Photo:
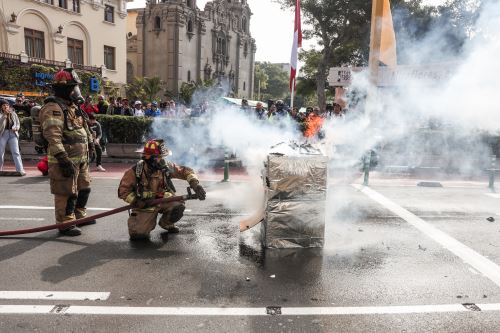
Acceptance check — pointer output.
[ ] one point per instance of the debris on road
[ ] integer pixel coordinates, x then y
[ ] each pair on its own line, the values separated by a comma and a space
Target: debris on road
420, 247
430, 184
490, 219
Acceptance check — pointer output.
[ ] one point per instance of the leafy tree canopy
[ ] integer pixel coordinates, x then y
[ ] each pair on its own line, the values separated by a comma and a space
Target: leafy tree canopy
275, 78
342, 31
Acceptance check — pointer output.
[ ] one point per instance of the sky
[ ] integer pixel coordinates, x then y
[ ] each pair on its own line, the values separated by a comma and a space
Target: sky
271, 27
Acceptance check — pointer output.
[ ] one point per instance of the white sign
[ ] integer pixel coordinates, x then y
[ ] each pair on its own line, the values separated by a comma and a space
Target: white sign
388, 77
342, 76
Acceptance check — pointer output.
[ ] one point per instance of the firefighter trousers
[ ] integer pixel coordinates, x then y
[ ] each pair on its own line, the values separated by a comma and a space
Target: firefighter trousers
142, 221
70, 193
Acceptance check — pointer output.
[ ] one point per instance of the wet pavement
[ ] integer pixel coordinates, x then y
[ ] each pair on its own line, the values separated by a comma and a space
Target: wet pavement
375, 270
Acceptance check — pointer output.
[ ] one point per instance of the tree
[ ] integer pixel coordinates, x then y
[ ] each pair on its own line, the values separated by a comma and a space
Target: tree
195, 92
261, 79
342, 28
135, 90
144, 88
152, 86
277, 82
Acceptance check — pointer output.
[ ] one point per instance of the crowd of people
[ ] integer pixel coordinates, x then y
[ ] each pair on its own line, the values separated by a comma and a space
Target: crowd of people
122, 107
308, 121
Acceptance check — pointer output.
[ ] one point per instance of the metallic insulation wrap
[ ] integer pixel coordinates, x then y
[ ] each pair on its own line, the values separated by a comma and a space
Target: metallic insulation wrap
296, 187
290, 224
297, 177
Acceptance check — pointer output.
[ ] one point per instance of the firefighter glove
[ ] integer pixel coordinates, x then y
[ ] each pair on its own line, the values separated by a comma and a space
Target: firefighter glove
65, 164
198, 189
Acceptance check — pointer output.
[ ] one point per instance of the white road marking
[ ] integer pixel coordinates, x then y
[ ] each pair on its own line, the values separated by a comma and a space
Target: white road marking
477, 261
55, 295
107, 209
493, 195
21, 219
201, 311
47, 208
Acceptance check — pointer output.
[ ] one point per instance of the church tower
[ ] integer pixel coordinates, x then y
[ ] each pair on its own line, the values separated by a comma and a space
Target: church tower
179, 43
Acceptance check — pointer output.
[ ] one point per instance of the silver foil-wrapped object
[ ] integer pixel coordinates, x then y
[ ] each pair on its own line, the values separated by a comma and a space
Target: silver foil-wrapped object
296, 186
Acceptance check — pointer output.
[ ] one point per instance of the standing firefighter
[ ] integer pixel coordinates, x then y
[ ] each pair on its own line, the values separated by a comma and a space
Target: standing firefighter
151, 178
68, 141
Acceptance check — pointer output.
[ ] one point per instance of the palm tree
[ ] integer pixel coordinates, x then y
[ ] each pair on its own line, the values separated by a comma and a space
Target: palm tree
152, 86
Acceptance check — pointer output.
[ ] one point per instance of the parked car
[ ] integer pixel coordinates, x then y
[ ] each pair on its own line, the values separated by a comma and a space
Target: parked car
10, 98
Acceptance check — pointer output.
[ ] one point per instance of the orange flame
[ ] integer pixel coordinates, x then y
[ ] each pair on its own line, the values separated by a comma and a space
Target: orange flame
313, 125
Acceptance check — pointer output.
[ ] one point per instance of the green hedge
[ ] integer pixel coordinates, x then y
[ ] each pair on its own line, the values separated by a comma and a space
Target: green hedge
124, 129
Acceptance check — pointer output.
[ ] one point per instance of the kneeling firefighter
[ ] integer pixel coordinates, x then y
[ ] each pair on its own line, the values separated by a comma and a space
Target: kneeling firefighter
151, 178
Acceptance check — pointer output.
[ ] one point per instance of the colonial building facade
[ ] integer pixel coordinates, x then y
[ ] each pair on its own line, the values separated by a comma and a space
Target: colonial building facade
80, 33
178, 42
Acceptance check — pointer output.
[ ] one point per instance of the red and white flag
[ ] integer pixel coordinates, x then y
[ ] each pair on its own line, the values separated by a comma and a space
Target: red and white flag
297, 42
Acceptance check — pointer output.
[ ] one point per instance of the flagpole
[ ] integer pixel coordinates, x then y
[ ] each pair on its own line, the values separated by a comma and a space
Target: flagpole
297, 43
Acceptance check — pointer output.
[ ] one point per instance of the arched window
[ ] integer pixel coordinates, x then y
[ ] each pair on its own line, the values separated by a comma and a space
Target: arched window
190, 25
245, 49
244, 24
189, 76
157, 23
236, 22
189, 3
244, 86
221, 46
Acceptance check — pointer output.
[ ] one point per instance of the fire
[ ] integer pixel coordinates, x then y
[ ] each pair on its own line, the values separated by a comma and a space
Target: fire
313, 125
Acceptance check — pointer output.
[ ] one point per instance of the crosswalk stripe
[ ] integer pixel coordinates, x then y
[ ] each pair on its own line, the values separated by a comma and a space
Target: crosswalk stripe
235, 311
55, 295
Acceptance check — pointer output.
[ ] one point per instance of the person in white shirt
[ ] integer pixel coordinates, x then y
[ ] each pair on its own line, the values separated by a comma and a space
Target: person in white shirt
138, 111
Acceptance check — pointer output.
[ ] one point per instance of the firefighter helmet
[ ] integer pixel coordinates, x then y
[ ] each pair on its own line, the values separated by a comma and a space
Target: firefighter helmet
154, 148
66, 77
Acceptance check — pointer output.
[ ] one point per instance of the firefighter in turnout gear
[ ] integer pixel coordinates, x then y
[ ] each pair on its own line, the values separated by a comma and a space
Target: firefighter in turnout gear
68, 140
151, 178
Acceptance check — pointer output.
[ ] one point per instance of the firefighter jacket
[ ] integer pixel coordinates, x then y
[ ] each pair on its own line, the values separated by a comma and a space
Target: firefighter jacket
140, 182
65, 129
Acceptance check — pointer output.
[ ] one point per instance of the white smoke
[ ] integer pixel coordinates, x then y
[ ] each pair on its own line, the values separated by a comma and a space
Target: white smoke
449, 123
405, 124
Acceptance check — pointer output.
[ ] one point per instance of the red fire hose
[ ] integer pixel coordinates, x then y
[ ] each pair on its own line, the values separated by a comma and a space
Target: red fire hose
64, 225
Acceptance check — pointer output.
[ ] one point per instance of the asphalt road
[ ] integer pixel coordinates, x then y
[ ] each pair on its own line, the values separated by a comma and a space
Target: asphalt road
397, 258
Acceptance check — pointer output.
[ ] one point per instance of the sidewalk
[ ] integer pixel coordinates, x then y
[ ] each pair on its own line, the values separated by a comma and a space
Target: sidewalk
116, 170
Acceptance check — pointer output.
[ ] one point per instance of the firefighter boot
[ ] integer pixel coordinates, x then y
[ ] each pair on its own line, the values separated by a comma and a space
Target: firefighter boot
81, 203
70, 216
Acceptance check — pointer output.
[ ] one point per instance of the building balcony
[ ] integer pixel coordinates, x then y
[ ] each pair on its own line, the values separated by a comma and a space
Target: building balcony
23, 58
